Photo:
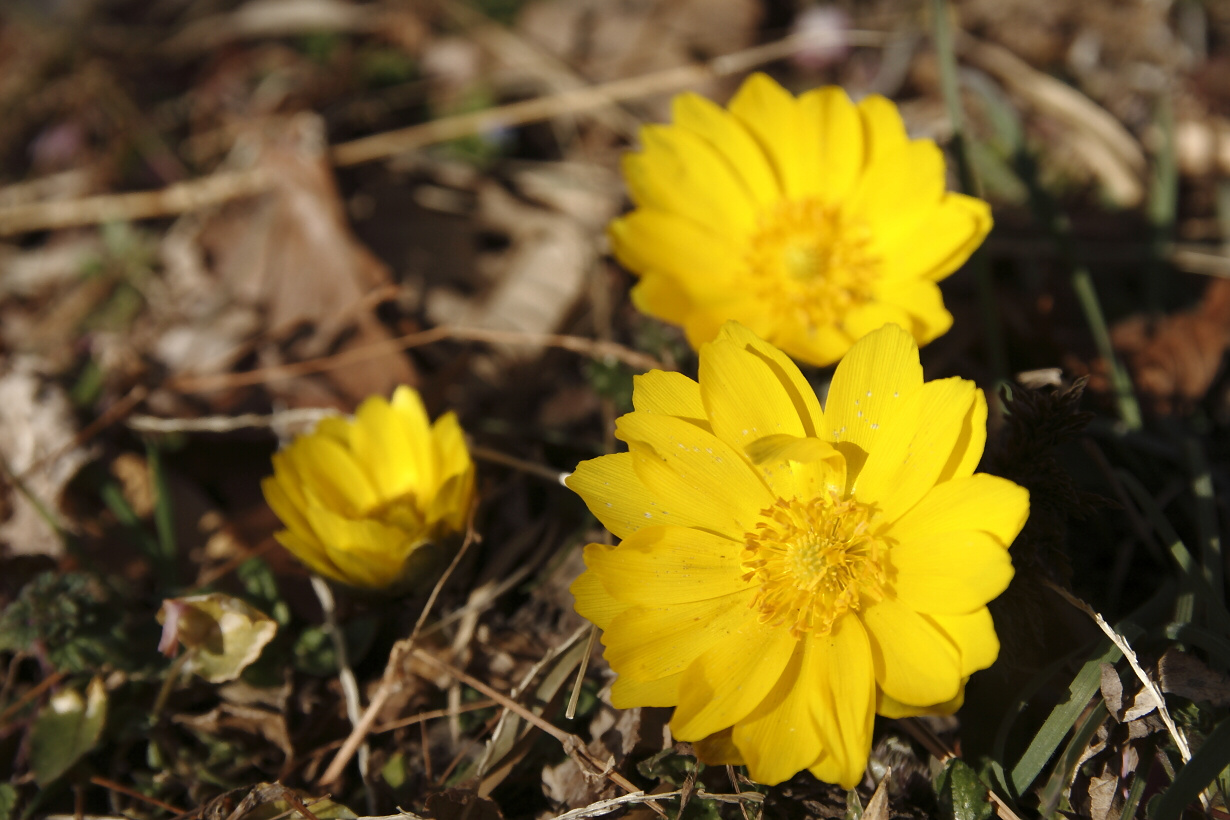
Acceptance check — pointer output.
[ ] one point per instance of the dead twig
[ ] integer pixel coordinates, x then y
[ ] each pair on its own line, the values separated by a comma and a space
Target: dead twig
597, 350
173, 200
578, 100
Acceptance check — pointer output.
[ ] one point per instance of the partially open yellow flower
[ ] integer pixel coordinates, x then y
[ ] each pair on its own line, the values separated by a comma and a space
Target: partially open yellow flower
813, 221
361, 497
787, 572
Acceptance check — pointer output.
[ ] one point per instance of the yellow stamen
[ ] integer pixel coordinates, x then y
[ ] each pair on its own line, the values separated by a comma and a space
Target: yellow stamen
815, 561
812, 260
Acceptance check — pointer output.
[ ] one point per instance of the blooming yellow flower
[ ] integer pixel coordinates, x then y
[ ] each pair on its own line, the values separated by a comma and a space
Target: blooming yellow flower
812, 221
786, 572
360, 497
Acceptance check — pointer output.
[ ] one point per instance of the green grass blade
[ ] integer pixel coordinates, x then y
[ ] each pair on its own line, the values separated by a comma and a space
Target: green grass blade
1062, 718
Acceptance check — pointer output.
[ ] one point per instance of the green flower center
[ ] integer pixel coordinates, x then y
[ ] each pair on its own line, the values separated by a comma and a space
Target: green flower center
812, 260
815, 560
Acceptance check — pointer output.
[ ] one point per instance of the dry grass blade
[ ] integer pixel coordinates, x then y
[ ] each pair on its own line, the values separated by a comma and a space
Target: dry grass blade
1121, 642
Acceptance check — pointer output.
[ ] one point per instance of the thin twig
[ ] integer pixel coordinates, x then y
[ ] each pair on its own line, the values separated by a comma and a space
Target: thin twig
345, 676
111, 785
579, 100
228, 424
30, 694
173, 200
1121, 642
577, 344
496, 457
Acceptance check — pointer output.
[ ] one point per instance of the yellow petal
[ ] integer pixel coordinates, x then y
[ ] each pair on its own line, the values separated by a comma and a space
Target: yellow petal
915, 662
816, 345
718, 750
771, 114
593, 602
367, 552
413, 421
730, 677
974, 636
874, 378
283, 507
801, 468
915, 445
840, 140
310, 552
846, 719
332, 473
698, 261
662, 297
380, 441
922, 303
744, 398
680, 173
692, 474
650, 643
823, 704
967, 452
871, 316
787, 372
978, 502
951, 573
883, 127
671, 394
899, 192
618, 498
780, 737
627, 693
940, 243
895, 709
663, 566
731, 139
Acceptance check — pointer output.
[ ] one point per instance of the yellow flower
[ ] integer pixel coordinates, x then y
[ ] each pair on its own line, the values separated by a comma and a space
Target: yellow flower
786, 572
812, 221
360, 497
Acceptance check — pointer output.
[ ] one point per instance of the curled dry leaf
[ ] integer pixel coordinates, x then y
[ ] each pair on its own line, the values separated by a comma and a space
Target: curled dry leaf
224, 634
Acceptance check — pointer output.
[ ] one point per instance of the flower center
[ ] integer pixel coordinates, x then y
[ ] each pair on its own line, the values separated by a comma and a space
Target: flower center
811, 260
815, 561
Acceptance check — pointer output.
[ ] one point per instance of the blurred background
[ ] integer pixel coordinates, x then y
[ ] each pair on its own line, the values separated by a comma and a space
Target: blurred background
216, 215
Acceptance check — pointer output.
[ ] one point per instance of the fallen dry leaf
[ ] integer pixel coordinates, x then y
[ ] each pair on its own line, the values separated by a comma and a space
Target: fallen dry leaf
37, 432
1174, 359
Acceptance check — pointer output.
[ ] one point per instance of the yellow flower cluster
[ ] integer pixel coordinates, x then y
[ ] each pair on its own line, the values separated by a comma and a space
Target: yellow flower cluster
360, 498
812, 221
786, 572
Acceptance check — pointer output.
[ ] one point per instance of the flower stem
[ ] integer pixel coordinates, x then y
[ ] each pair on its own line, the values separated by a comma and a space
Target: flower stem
345, 675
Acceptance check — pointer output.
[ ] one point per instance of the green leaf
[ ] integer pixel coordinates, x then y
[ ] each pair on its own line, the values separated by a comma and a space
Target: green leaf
1206, 764
962, 794
66, 729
